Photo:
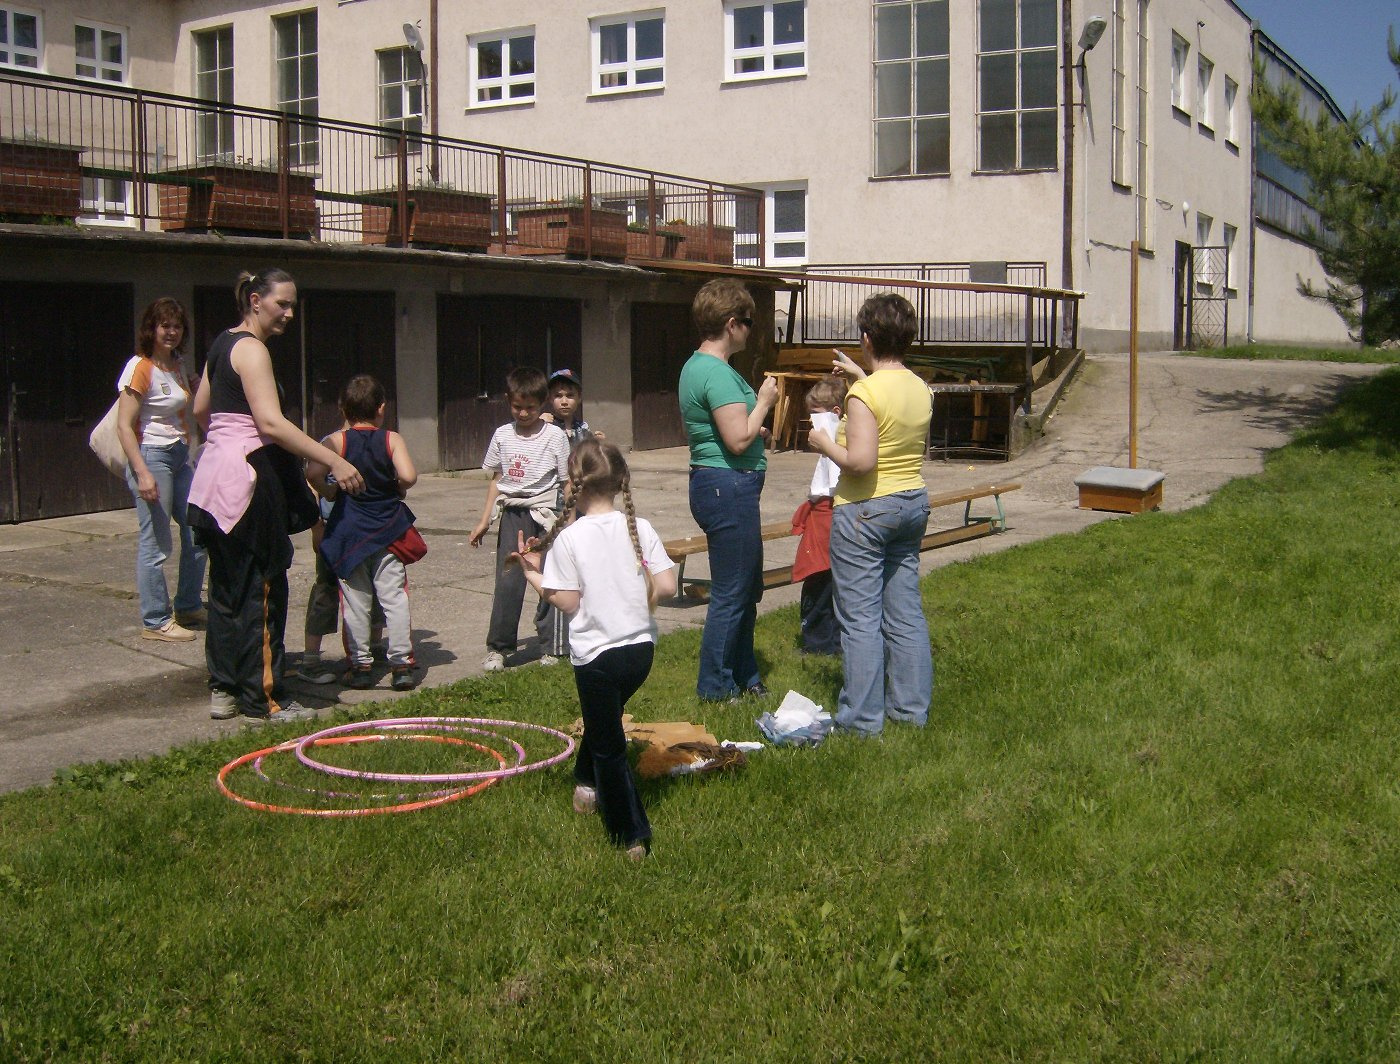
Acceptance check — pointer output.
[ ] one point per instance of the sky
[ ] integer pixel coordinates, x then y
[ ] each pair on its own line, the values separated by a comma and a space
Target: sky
1339, 42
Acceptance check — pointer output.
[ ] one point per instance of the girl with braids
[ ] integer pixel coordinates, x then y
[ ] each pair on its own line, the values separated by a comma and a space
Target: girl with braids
606, 570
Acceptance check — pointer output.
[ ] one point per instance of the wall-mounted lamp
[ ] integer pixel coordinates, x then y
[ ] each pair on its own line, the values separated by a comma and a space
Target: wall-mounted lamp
1091, 33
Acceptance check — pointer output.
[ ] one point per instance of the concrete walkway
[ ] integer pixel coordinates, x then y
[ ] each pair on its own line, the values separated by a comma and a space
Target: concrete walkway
85, 686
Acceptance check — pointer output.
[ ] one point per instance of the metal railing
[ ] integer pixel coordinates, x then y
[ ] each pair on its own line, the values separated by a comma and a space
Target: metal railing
952, 308
178, 163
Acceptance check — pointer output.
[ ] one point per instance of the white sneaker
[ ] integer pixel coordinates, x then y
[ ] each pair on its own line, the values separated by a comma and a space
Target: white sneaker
222, 705
548, 659
585, 799
493, 662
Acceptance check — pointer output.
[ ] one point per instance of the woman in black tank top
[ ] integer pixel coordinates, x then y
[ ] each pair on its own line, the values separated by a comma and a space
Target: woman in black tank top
246, 529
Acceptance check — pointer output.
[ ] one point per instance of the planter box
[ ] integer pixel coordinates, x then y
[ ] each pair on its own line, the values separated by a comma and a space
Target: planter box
236, 199
665, 244
706, 244
561, 228
39, 180
436, 218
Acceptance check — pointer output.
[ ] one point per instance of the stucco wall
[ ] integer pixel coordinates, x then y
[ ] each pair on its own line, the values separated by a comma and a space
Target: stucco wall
1279, 265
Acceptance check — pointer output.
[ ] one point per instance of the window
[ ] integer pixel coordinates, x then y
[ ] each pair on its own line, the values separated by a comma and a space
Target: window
501, 68
400, 96
1181, 51
297, 83
1143, 185
20, 39
1229, 232
1205, 72
1017, 94
1204, 279
911, 88
1118, 169
105, 200
785, 243
764, 40
629, 52
1232, 90
213, 80
99, 52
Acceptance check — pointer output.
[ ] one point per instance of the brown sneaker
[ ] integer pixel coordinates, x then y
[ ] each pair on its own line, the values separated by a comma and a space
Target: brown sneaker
169, 632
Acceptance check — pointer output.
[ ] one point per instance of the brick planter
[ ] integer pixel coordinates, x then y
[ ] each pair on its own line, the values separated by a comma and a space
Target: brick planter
666, 244
236, 199
706, 244
436, 218
561, 228
39, 180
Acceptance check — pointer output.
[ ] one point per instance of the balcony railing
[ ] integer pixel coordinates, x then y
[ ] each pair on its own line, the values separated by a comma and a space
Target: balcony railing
172, 162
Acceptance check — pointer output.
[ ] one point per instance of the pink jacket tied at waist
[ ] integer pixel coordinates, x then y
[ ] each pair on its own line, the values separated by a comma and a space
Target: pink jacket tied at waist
223, 480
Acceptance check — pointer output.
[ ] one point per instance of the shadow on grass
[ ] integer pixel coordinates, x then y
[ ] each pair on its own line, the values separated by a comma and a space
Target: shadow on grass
1265, 408
1367, 418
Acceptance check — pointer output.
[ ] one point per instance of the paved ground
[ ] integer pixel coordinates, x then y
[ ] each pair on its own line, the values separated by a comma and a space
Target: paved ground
85, 686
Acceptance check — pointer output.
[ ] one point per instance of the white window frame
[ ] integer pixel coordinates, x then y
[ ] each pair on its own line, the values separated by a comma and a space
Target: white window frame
1232, 95
1205, 75
631, 67
106, 201
11, 51
401, 122
1204, 224
1228, 234
1181, 57
99, 65
305, 144
768, 52
505, 83
772, 238
1119, 120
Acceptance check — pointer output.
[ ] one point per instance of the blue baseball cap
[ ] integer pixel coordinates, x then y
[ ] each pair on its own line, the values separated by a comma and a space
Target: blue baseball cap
567, 375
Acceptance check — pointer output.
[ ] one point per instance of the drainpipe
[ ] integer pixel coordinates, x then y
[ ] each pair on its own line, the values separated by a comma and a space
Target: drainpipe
433, 82
1253, 185
1067, 91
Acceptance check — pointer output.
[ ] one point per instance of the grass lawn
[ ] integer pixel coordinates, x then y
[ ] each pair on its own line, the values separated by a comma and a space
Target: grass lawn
1350, 353
1153, 817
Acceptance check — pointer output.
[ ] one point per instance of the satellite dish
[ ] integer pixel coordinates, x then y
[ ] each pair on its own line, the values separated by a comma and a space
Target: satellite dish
412, 36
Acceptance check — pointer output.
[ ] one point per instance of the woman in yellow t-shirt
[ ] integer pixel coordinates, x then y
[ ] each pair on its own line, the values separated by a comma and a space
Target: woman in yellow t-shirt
880, 514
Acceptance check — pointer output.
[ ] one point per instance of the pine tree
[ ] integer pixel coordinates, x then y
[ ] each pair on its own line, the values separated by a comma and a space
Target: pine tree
1353, 172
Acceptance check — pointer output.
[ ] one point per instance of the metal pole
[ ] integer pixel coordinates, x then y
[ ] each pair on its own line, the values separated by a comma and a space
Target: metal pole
1133, 357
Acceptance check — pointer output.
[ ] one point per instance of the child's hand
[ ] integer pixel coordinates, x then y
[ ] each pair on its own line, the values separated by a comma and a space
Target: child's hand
479, 532
600, 436
527, 554
547, 416
818, 440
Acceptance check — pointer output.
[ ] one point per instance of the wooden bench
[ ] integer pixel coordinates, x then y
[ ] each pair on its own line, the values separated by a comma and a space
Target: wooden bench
972, 527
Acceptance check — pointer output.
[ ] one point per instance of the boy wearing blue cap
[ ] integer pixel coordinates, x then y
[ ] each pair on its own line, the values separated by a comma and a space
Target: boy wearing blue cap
565, 395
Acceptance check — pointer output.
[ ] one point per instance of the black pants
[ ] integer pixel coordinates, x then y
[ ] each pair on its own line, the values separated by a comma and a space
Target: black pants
820, 632
604, 686
243, 645
509, 595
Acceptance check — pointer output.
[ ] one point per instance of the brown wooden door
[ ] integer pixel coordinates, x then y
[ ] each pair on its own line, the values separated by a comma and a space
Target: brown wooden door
662, 339
480, 340
347, 333
64, 346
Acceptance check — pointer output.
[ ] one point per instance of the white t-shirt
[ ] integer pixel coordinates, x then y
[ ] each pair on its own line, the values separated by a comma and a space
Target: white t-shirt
827, 473
528, 465
165, 399
594, 556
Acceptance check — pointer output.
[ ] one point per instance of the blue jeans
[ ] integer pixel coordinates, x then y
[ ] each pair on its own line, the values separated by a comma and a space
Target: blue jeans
724, 503
887, 660
173, 473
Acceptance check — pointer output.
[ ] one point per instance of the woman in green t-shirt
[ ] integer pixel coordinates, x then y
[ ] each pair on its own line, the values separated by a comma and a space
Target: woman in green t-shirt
724, 423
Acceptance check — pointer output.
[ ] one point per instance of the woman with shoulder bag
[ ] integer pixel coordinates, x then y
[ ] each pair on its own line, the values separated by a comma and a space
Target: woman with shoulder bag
156, 432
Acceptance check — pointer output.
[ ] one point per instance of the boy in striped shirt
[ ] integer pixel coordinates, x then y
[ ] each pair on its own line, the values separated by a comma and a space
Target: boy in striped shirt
528, 460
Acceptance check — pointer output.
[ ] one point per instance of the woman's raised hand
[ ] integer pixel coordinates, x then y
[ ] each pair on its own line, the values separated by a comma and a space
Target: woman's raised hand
846, 366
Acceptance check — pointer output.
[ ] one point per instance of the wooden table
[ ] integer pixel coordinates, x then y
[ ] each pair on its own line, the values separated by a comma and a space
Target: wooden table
792, 386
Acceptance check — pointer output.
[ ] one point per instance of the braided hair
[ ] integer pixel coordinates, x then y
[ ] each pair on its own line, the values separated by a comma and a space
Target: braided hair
597, 469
